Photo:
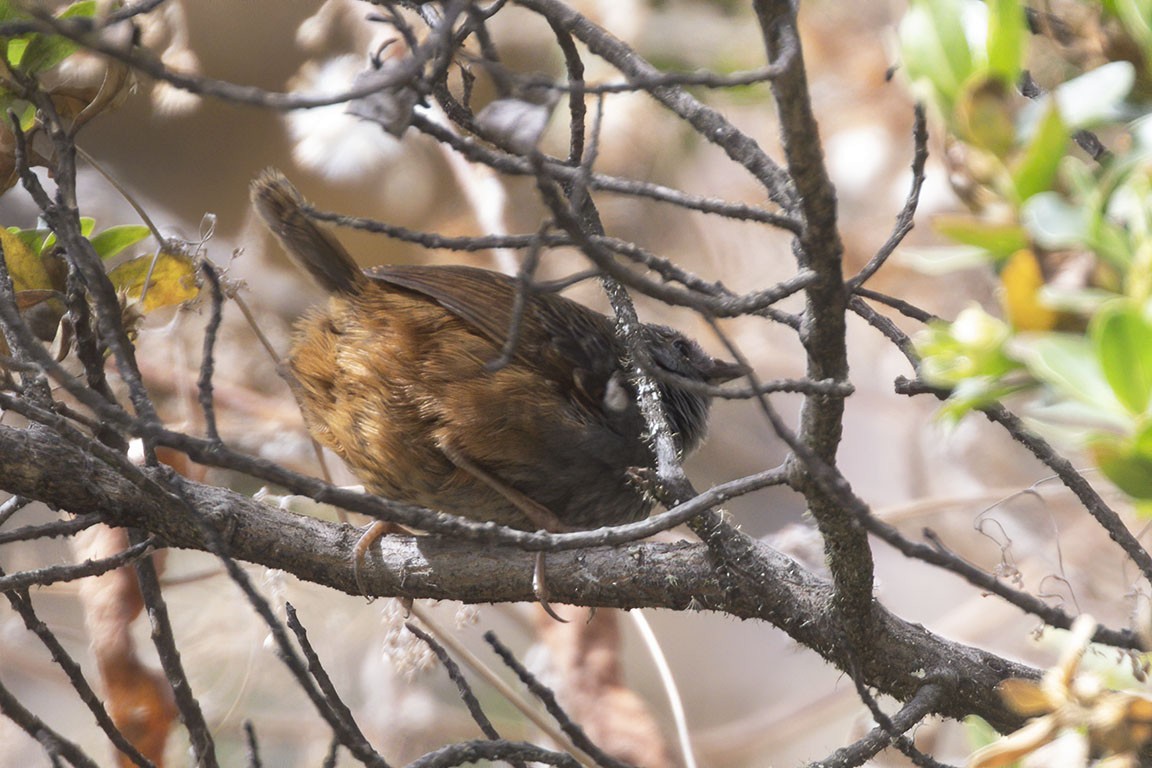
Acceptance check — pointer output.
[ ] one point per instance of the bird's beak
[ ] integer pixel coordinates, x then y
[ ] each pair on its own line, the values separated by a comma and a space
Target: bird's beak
719, 371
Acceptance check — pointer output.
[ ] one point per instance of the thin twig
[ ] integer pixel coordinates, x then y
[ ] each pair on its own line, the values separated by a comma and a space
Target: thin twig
906, 219
51, 530
339, 709
251, 745
485, 672
462, 687
58, 573
470, 752
207, 366
164, 641
54, 744
887, 731
548, 699
22, 604
11, 507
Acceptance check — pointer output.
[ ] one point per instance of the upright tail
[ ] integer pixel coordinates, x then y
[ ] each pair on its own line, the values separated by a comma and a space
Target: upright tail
311, 247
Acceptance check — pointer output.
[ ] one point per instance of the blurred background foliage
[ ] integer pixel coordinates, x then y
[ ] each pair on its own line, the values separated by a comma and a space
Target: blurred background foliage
1062, 215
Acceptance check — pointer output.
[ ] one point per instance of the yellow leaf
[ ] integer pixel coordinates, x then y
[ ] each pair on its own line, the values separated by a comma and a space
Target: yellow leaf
1022, 281
173, 280
24, 264
1008, 750
1024, 697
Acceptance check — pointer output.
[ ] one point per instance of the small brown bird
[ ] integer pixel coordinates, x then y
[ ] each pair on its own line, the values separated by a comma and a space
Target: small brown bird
394, 375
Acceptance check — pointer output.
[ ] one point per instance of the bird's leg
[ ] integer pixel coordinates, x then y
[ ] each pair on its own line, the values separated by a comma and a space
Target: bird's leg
374, 531
537, 514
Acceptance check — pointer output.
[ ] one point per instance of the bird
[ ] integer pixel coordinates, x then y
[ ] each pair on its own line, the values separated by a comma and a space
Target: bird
403, 374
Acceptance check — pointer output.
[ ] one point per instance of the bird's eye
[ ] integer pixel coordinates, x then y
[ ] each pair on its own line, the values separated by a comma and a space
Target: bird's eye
683, 346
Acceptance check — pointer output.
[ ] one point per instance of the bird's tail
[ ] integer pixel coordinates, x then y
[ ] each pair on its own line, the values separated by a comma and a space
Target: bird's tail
312, 247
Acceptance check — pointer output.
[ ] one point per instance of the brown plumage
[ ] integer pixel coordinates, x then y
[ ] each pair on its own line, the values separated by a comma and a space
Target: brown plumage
392, 376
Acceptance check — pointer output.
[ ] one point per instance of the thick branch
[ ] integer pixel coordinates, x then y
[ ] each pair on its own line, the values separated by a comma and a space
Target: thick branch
823, 326
677, 576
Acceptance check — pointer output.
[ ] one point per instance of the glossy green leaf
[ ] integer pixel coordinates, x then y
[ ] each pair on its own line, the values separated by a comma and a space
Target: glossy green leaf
999, 239
1075, 300
1134, 15
27, 117
1068, 363
1127, 462
1007, 39
1122, 336
14, 50
115, 239
87, 224
1036, 170
1053, 222
973, 394
934, 48
942, 259
32, 238
971, 347
9, 12
83, 8
44, 52
1107, 240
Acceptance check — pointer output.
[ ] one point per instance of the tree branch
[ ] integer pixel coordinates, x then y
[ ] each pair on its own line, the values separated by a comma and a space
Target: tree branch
677, 576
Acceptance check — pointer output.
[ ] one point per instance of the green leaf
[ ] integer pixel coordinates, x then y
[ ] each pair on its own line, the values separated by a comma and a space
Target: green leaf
1054, 223
44, 52
971, 347
9, 12
83, 8
115, 239
27, 117
1108, 241
1084, 301
87, 224
1127, 462
979, 732
1134, 16
14, 52
1035, 171
1067, 363
934, 48
971, 394
1122, 337
1007, 39
32, 238
943, 259
1002, 240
